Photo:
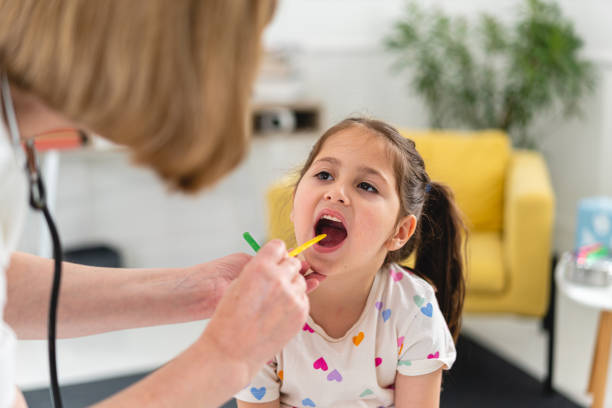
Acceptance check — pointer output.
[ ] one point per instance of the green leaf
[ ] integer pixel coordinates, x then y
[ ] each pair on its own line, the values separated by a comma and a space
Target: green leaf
483, 73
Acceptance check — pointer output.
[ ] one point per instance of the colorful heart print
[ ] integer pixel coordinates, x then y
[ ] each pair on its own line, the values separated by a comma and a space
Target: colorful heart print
366, 392
320, 363
427, 310
307, 328
386, 314
378, 305
435, 355
400, 341
334, 376
358, 338
281, 374
419, 300
377, 361
404, 363
307, 402
396, 275
258, 392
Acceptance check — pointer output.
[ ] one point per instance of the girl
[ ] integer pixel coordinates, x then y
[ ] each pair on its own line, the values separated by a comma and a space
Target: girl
378, 334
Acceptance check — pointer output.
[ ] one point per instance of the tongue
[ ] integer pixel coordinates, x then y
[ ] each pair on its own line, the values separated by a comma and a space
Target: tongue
334, 236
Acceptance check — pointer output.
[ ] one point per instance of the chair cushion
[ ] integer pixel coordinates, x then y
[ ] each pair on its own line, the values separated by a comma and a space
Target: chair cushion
474, 165
485, 263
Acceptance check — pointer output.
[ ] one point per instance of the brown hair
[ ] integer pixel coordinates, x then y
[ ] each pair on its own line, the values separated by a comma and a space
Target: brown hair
440, 229
169, 79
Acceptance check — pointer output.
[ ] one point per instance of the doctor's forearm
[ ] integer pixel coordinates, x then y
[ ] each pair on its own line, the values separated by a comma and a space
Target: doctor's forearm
203, 376
95, 300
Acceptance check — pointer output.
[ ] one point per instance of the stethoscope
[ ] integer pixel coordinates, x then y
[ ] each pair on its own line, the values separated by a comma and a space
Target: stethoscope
28, 158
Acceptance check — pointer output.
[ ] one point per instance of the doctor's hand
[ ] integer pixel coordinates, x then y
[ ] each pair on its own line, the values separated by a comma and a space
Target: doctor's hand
261, 310
210, 280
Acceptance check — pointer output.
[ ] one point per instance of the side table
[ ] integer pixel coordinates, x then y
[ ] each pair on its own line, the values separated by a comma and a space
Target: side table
599, 297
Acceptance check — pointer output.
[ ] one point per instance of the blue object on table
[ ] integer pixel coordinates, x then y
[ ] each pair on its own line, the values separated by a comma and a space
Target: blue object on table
594, 223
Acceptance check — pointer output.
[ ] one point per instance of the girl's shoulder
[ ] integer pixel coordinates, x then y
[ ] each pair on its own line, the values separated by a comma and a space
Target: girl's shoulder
405, 285
408, 278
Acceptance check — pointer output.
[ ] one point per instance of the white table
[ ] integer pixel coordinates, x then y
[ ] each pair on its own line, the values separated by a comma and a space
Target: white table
601, 299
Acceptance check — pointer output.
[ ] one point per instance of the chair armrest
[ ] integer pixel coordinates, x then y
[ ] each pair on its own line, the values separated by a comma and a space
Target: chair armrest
528, 225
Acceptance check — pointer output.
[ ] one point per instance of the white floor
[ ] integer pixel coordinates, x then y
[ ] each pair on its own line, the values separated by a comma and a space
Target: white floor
103, 201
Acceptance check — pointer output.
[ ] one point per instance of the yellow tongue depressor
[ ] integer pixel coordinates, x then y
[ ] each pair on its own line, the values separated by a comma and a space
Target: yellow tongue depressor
307, 245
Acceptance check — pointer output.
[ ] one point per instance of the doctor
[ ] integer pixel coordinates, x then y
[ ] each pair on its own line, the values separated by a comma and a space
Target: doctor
170, 80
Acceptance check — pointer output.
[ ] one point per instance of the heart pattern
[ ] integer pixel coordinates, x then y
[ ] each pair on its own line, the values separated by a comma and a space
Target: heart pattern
334, 376
365, 393
400, 341
378, 305
281, 374
386, 314
418, 300
307, 328
358, 338
404, 363
427, 310
435, 355
396, 275
307, 402
377, 361
320, 363
258, 392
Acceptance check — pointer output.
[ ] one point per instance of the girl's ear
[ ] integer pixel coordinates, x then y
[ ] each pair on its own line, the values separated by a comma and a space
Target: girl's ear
404, 230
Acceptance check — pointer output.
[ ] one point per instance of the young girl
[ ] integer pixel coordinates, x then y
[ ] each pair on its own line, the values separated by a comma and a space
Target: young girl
378, 334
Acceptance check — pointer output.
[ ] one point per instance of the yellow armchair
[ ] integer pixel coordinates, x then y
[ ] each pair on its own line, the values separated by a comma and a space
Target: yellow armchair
508, 203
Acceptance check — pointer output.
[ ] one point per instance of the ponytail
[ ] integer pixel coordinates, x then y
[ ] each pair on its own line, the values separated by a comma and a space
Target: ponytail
439, 257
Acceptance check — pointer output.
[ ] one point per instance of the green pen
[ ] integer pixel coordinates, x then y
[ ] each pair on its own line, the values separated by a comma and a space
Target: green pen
251, 241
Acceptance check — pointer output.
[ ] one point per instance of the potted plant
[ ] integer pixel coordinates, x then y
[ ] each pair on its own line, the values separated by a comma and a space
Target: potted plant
487, 74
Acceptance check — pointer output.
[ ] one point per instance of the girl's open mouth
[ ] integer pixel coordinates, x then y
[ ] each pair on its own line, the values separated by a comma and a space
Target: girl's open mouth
335, 230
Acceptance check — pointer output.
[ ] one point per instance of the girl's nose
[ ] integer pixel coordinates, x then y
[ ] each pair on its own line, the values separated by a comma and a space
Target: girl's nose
337, 195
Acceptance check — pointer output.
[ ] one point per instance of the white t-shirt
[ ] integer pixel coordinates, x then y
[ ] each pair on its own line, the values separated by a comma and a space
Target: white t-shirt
401, 330
13, 205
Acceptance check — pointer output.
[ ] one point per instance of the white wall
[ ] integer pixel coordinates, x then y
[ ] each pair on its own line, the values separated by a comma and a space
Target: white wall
340, 57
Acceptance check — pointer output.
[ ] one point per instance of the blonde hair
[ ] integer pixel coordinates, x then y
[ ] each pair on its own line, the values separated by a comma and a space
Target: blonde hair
169, 79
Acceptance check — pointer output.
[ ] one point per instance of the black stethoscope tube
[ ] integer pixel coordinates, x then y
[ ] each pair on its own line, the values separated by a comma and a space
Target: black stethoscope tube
38, 202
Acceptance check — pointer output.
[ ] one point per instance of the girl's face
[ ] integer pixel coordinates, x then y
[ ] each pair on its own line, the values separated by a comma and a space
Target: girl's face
350, 193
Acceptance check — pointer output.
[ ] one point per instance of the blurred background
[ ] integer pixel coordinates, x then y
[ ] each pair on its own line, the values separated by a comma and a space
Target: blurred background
328, 59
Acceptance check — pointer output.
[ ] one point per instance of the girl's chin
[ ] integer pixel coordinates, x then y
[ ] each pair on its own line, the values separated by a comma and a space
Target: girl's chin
321, 265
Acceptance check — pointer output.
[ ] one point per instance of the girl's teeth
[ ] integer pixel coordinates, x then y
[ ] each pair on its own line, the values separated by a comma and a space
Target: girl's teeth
329, 217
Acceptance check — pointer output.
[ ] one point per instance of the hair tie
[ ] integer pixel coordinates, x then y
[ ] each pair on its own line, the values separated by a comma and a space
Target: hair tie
428, 187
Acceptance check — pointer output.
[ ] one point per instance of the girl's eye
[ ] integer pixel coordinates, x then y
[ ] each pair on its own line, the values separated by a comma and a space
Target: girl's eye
323, 175
367, 187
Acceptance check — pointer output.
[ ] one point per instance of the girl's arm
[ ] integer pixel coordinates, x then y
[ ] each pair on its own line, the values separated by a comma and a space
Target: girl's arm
96, 300
421, 391
271, 404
